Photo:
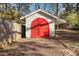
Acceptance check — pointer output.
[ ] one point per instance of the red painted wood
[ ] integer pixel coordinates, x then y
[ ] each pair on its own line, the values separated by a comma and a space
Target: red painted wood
35, 27
39, 28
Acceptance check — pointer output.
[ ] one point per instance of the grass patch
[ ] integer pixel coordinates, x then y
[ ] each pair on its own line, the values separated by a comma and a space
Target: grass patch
32, 42
42, 46
72, 31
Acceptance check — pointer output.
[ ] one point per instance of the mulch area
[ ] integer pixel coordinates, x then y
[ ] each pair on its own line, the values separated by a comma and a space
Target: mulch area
61, 45
70, 39
42, 47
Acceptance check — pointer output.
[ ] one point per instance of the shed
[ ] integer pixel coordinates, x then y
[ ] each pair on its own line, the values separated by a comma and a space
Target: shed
40, 24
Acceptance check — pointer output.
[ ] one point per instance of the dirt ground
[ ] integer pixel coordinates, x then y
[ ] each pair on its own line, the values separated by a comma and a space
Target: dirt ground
38, 47
64, 44
70, 39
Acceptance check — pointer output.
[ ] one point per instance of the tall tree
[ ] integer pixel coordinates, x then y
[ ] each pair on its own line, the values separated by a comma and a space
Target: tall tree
57, 9
71, 15
8, 15
37, 6
77, 8
22, 8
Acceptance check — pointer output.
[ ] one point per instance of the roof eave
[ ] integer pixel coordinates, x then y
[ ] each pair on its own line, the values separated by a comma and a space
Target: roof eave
39, 10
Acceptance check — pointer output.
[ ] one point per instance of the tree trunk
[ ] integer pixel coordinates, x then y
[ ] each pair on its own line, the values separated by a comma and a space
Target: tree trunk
57, 7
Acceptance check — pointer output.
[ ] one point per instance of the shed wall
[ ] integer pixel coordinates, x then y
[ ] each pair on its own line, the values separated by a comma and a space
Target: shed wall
37, 15
17, 31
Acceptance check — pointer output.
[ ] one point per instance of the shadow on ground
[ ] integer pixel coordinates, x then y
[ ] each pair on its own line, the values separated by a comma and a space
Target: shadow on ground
22, 49
32, 48
67, 36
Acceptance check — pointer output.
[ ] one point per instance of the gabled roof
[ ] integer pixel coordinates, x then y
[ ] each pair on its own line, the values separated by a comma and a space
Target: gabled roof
39, 10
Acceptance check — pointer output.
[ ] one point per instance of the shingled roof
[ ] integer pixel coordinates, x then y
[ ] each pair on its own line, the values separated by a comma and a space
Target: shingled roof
39, 10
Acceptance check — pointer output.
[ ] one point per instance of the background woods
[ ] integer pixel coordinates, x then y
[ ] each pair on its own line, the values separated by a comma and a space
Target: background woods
10, 13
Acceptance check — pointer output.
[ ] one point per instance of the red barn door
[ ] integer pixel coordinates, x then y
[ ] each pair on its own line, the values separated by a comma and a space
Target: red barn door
39, 28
